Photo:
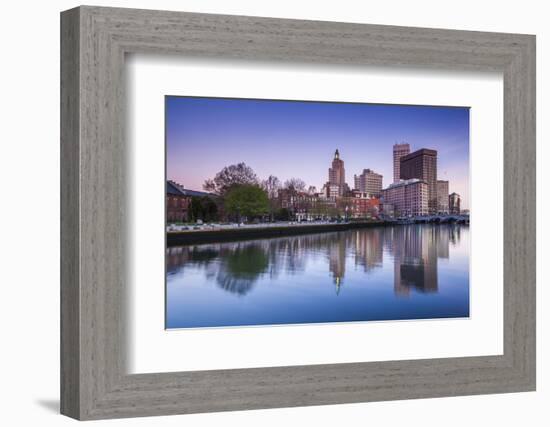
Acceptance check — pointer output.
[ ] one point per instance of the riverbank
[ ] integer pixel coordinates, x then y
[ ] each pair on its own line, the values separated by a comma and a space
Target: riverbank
176, 238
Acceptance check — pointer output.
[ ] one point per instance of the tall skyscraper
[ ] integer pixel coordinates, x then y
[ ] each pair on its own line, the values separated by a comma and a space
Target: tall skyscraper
336, 176
399, 150
368, 182
422, 164
442, 197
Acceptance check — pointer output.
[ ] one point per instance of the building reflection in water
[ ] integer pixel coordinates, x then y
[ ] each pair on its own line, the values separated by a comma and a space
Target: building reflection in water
237, 266
415, 259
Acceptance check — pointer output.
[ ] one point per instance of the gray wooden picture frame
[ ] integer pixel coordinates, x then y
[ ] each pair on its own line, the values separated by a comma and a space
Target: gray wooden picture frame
94, 381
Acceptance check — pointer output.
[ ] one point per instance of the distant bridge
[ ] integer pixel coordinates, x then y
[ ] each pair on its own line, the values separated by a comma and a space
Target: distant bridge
439, 219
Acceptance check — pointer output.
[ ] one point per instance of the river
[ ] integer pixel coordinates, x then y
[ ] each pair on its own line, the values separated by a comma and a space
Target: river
400, 272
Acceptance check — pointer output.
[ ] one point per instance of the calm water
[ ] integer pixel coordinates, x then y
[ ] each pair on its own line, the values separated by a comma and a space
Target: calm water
386, 273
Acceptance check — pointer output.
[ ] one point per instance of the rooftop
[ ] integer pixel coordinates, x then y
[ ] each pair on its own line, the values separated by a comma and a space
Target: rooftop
421, 152
405, 182
178, 189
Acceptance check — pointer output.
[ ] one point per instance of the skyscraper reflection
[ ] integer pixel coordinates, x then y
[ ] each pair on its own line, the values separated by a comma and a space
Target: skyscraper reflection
415, 259
414, 249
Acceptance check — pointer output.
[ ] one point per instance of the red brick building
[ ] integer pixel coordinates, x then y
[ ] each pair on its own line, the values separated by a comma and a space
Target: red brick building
359, 205
177, 203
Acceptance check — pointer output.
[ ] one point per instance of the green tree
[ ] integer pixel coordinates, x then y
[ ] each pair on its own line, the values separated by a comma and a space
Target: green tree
203, 208
209, 209
282, 215
195, 209
246, 200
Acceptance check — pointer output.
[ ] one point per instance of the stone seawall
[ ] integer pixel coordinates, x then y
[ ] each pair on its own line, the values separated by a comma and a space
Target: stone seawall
178, 238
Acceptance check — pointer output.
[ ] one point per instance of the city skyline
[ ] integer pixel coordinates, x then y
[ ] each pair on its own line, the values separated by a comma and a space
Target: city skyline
297, 139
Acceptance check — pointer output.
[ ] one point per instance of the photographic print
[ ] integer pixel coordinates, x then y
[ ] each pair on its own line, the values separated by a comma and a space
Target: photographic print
284, 212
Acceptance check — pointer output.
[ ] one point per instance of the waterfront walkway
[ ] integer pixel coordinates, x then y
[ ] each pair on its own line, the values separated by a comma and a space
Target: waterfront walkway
228, 232
236, 226
187, 228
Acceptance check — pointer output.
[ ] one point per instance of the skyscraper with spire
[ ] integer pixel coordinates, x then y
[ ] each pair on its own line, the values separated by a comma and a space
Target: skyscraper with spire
336, 184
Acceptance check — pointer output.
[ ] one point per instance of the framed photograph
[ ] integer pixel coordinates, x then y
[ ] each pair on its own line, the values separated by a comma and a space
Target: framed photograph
275, 240
262, 213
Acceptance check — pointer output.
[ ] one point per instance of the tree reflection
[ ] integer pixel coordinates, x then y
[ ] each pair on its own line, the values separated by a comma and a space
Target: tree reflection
237, 266
241, 267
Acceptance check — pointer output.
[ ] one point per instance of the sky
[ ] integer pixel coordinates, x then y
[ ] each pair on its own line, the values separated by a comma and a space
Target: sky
298, 139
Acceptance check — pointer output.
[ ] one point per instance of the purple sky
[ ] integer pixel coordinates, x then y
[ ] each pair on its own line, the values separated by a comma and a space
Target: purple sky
297, 139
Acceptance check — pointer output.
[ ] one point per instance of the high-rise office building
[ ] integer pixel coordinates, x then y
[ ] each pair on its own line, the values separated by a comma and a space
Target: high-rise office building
399, 150
368, 182
442, 197
336, 176
422, 164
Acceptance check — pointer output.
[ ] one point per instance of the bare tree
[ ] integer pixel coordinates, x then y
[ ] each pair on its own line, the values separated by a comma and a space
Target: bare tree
230, 176
272, 185
312, 189
295, 184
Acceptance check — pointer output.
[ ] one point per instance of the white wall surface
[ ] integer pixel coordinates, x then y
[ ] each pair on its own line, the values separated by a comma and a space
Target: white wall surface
29, 213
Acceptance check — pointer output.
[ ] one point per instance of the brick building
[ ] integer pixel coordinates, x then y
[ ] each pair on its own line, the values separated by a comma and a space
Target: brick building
368, 182
360, 207
177, 203
408, 198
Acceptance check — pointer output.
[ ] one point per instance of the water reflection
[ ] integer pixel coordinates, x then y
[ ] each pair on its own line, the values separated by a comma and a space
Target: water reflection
402, 272
237, 266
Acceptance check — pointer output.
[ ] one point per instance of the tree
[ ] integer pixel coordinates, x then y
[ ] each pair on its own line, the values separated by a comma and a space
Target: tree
248, 200
203, 208
295, 184
242, 267
229, 176
272, 185
209, 209
194, 209
282, 214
